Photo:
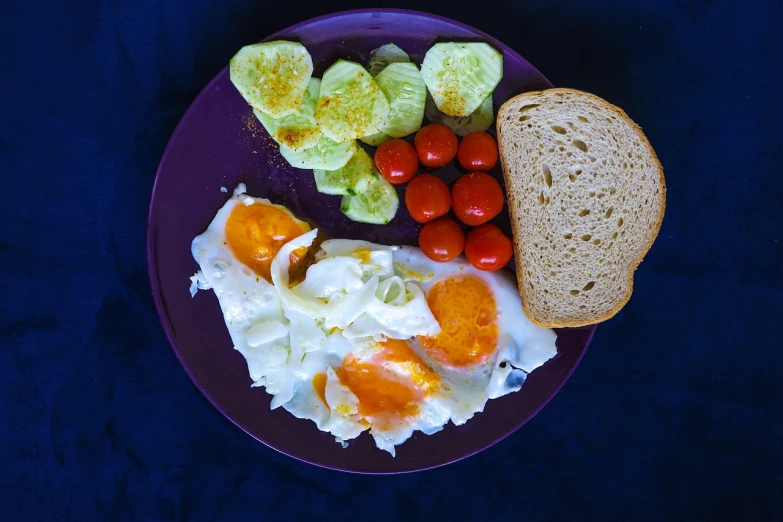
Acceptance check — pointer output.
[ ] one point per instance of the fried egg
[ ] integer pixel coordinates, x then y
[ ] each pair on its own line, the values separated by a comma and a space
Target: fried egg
482, 348
487, 346
358, 336
234, 255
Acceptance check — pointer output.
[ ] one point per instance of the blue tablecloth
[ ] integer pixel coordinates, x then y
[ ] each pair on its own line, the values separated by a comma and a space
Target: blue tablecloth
676, 412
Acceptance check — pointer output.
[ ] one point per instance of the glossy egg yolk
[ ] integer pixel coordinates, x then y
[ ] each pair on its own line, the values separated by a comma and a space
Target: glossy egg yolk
465, 309
390, 384
319, 384
256, 232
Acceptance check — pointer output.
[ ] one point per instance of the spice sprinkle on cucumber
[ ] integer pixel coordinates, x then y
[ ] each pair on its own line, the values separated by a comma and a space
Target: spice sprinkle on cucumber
317, 122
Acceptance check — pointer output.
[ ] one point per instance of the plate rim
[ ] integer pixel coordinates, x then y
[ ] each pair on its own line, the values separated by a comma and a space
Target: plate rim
152, 272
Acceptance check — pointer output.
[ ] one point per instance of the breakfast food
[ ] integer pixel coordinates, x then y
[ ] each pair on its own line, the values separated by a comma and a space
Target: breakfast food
297, 131
477, 198
479, 120
272, 76
367, 196
346, 180
436, 145
376, 202
461, 75
384, 56
403, 86
351, 103
375, 140
358, 336
477, 151
317, 122
326, 155
586, 195
427, 197
397, 161
488, 248
442, 240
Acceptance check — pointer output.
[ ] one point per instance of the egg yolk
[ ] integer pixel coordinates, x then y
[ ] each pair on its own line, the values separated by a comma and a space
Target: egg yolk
256, 233
363, 254
390, 384
397, 355
465, 309
319, 384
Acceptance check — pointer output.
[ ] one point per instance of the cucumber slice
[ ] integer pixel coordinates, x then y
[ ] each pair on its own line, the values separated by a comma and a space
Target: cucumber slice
355, 176
326, 155
480, 120
329, 182
461, 75
385, 55
377, 203
351, 104
403, 86
297, 131
272, 76
374, 140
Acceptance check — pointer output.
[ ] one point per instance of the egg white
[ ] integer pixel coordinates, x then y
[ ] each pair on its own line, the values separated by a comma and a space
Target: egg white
356, 295
249, 303
522, 346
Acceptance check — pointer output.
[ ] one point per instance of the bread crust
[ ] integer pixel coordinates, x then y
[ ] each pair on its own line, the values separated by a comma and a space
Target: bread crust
518, 246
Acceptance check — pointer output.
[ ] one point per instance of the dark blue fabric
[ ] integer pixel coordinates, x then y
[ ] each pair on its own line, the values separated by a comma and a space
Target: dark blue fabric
676, 412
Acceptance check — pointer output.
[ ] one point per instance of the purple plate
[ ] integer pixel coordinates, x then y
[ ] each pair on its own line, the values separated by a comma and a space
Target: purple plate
218, 144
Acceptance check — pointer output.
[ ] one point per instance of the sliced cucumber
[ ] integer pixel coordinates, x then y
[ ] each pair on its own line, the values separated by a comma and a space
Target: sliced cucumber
357, 174
377, 202
326, 155
480, 120
272, 76
329, 182
374, 140
351, 104
385, 55
403, 86
461, 75
299, 130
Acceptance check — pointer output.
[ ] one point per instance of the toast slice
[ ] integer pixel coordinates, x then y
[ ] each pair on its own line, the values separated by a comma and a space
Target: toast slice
586, 195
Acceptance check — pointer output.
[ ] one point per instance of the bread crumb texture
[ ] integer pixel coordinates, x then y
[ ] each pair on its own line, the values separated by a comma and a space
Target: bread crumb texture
586, 195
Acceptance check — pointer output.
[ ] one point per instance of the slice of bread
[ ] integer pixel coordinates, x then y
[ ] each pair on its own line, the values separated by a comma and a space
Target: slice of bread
586, 195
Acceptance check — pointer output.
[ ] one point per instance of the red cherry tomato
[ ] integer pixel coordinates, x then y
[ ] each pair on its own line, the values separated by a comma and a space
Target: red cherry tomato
441, 240
427, 198
477, 151
477, 198
488, 248
436, 145
397, 160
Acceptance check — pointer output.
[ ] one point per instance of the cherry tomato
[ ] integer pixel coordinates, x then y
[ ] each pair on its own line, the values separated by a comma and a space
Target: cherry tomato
477, 198
427, 198
397, 160
488, 248
478, 151
441, 240
436, 145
